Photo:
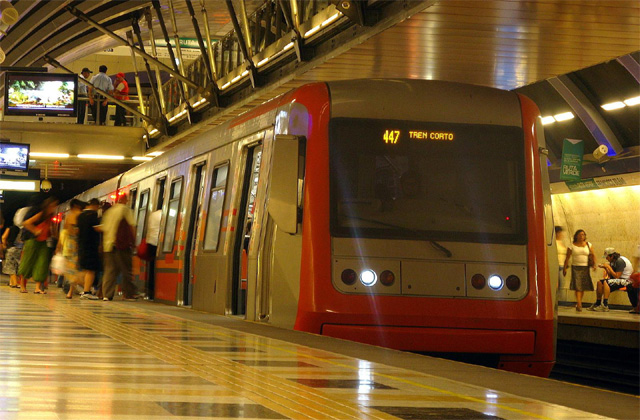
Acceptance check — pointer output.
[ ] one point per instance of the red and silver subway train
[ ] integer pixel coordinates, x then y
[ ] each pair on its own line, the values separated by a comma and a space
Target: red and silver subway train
402, 213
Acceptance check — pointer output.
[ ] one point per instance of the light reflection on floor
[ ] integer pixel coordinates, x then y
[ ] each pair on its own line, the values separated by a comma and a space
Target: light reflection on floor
86, 360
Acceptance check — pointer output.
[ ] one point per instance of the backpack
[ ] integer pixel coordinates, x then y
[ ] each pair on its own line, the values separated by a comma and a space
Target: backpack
124, 235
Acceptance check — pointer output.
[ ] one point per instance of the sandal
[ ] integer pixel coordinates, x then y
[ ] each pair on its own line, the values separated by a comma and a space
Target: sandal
40, 292
24, 291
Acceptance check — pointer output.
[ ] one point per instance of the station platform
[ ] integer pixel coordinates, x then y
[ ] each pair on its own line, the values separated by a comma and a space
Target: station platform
81, 359
614, 328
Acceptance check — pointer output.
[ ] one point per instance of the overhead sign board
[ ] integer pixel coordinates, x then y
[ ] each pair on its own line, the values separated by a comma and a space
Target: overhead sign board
571, 167
184, 43
595, 183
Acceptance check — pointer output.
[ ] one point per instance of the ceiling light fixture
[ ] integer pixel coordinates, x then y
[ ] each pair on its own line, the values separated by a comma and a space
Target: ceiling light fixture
105, 157
547, 120
145, 158
632, 101
564, 116
49, 155
613, 105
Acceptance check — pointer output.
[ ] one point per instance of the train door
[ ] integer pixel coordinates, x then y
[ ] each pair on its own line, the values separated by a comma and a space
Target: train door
191, 243
243, 229
170, 239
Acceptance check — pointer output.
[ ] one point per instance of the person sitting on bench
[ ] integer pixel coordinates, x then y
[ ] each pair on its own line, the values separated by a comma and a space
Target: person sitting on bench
617, 269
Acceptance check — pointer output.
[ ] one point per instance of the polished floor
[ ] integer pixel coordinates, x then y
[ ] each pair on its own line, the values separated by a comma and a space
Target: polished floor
80, 359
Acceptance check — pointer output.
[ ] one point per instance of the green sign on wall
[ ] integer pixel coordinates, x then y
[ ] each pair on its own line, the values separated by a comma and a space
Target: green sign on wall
571, 168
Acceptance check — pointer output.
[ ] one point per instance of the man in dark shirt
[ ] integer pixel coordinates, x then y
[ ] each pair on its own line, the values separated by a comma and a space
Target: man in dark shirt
89, 242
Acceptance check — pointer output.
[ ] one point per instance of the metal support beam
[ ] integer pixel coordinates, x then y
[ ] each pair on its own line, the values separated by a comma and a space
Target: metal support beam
157, 91
176, 39
287, 18
298, 40
126, 106
161, 104
207, 32
136, 75
245, 24
253, 74
588, 113
205, 56
295, 13
124, 42
175, 71
631, 65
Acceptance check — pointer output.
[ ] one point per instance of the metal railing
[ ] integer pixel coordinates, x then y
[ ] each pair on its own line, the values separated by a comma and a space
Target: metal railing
272, 24
131, 120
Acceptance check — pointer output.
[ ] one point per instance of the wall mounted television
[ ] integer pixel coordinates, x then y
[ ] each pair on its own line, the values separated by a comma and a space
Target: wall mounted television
40, 95
14, 158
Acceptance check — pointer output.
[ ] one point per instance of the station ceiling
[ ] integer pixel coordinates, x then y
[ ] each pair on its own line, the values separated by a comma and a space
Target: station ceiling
567, 55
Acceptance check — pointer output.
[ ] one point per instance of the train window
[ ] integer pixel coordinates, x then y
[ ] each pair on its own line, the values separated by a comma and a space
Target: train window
216, 204
133, 195
160, 196
142, 215
427, 180
172, 216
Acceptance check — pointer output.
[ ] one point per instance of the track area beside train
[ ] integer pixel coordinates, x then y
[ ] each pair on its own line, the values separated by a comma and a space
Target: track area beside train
84, 360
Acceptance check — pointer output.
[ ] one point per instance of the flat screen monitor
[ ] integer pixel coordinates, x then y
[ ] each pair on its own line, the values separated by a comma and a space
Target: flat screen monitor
14, 158
40, 94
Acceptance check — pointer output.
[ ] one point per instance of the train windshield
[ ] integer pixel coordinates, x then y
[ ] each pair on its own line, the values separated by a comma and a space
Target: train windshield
431, 181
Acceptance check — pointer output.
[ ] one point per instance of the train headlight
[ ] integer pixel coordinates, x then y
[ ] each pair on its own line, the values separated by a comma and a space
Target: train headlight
387, 278
349, 277
495, 282
368, 277
513, 282
478, 281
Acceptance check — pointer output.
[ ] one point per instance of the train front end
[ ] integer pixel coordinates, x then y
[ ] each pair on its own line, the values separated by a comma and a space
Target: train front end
424, 224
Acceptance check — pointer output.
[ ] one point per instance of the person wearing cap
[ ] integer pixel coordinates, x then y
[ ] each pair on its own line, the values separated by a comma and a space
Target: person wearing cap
83, 95
121, 92
104, 83
617, 269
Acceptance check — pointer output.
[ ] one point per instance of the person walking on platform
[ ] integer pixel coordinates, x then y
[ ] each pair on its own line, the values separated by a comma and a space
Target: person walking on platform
583, 259
72, 251
88, 245
12, 250
36, 254
617, 270
104, 83
118, 240
83, 96
153, 234
121, 93
562, 254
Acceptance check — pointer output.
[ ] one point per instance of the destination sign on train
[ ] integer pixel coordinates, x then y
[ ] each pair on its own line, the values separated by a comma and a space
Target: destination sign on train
392, 136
